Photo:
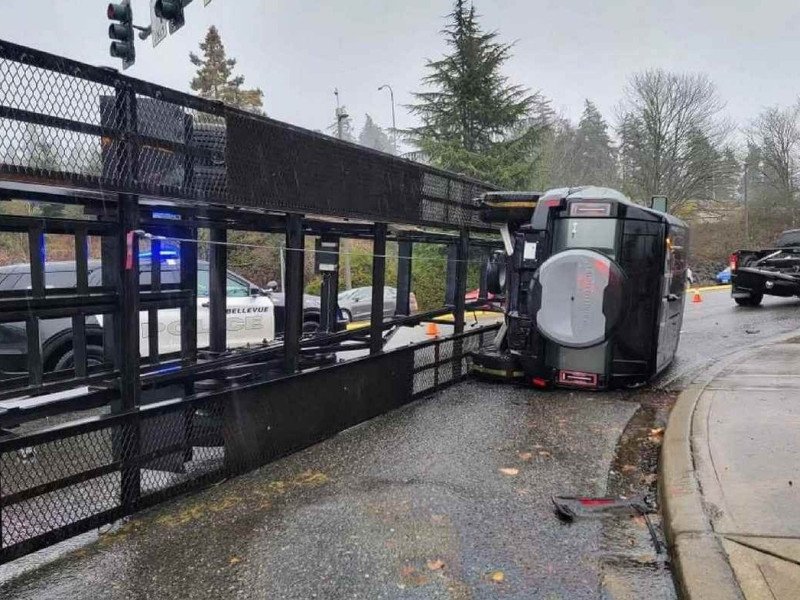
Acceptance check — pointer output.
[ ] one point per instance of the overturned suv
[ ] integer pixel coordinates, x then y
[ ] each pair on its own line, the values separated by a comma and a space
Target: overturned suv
594, 288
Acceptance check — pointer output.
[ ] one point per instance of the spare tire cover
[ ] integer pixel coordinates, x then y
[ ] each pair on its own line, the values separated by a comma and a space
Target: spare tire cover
581, 293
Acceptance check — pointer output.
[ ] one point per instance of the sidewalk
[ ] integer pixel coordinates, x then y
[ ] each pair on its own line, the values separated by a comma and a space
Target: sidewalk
730, 478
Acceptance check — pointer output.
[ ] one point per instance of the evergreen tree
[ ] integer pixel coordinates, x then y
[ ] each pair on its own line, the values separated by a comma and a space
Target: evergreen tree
215, 79
374, 137
754, 177
347, 128
472, 119
595, 156
726, 184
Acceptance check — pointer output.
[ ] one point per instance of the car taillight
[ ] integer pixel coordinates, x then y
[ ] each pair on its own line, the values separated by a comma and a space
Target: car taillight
733, 261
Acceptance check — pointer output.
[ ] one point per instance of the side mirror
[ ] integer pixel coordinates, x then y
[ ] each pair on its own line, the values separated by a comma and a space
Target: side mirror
255, 292
659, 203
272, 286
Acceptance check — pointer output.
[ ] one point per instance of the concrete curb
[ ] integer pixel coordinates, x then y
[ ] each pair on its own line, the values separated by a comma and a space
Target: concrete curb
700, 564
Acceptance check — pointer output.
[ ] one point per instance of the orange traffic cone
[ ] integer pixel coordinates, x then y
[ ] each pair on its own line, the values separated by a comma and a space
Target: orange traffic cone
432, 330
697, 297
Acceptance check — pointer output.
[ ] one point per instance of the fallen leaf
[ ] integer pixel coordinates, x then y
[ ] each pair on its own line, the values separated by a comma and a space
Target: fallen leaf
435, 565
509, 471
657, 431
234, 560
544, 454
497, 577
650, 479
526, 455
628, 468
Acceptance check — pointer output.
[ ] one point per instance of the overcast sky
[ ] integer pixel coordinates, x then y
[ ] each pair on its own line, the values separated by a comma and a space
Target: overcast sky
298, 51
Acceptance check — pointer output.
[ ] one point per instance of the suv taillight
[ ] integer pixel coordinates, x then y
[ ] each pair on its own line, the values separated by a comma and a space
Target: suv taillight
733, 261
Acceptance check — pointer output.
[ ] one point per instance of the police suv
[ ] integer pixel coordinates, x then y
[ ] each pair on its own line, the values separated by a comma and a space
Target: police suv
252, 315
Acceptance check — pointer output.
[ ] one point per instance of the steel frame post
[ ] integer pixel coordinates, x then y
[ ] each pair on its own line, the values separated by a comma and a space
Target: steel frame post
460, 290
329, 301
378, 283
450, 275
404, 254
188, 278
460, 282
217, 289
129, 335
82, 288
127, 317
483, 285
293, 294
152, 314
36, 252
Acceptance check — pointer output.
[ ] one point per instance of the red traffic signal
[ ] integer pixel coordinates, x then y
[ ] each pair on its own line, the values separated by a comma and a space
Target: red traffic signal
119, 11
122, 32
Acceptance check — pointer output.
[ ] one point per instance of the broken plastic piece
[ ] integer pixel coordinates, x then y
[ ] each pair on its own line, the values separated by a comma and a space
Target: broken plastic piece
571, 507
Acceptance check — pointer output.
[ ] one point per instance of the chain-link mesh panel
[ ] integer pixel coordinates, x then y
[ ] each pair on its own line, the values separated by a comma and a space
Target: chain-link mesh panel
66, 480
67, 122
57, 483
447, 361
181, 446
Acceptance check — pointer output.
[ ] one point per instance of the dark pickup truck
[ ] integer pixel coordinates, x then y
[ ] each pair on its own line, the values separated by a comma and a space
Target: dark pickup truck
772, 271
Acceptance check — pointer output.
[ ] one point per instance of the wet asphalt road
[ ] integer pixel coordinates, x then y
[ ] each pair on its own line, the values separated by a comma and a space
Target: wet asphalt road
446, 498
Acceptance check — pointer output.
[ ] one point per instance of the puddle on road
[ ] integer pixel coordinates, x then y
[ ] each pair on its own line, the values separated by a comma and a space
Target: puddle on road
631, 567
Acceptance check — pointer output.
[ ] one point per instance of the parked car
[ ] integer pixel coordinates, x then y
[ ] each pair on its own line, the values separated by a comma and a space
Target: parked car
356, 303
724, 276
254, 316
492, 300
772, 271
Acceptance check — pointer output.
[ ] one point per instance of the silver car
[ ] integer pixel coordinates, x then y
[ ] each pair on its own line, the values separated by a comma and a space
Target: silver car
356, 303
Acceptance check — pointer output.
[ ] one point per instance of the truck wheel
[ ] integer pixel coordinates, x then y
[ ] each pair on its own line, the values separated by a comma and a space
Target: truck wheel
751, 300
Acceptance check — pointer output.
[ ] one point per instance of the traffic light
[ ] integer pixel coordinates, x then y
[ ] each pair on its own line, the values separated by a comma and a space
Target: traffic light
122, 32
172, 11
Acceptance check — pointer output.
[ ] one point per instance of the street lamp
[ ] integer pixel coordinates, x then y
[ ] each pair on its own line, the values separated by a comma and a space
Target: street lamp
394, 122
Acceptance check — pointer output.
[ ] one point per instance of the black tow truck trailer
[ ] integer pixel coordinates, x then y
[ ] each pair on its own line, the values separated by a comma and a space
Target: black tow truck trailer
771, 271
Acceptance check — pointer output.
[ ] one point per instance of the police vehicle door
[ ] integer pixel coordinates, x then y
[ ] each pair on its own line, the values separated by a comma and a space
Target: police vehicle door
250, 318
